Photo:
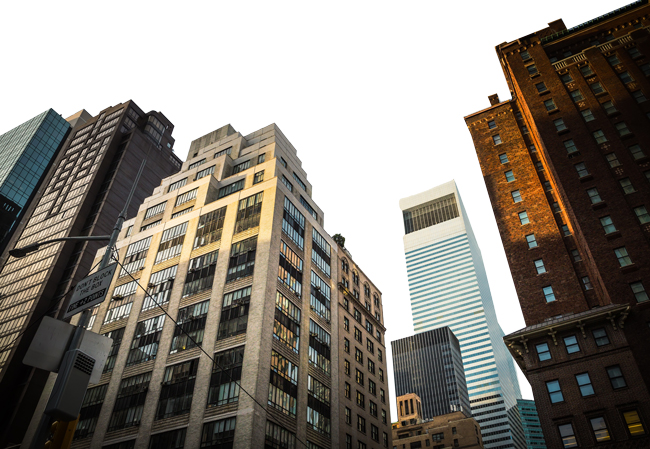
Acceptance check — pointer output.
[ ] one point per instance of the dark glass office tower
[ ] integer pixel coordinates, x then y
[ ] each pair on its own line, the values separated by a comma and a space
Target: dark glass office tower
82, 195
25, 154
430, 365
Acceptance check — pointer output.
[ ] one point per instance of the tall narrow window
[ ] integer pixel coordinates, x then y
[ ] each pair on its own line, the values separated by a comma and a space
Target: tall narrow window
321, 252
587, 115
496, 139
318, 406
503, 158
581, 168
129, 405
607, 224
177, 389
209, 228
532, 242
627, 186
242, 259
320, 296
287, 183
234, 313
283, 384
190, 327
626, 77
634, 424
200, 273
599, 427
89, 413
290, 269
516, 196
226, 374
523, 217
584, 383
568, 435
319, 347
586, 70
543, 352
145, 340
171, 243
160, 287
639, 292
509, 176
571, 344
287, 322
539, 266
249, 212
549, 295
616, 377
636, 152
293, 223
117, 336
554, 391
570, 147
600, 336
594, 196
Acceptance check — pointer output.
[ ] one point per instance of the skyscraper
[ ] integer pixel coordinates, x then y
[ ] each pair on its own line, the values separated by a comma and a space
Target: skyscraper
25, 154
448, 287
430, 365
239, 337
565, 162
81, 195
530, 424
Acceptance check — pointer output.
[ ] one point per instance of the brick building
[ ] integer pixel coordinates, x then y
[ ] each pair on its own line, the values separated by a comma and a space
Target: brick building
233, 249
566, 165
412, 431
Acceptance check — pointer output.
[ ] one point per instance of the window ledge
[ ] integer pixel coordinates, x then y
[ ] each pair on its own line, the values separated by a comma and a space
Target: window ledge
598, 205
613, 235
553, 111
629, 268
642, 159
627, 136
544, 92
534, 75
601, 94
564, 131
613, 113
588, 177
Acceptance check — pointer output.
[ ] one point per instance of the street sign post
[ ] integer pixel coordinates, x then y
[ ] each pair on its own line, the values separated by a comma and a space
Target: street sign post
90, 291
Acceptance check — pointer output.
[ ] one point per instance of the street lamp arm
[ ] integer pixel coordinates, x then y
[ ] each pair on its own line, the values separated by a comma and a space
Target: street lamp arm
22, 252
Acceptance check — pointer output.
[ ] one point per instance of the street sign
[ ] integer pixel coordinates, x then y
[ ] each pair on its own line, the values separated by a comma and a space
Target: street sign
51, 342
90, 291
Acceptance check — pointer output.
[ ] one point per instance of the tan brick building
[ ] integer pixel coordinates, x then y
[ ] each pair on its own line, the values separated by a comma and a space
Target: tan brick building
566, 163
233, 249
453, 430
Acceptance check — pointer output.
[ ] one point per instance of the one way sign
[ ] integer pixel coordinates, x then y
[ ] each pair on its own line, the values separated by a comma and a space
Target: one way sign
90, 291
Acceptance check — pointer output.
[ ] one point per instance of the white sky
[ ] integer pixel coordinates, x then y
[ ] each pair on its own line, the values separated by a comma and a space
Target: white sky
372, 94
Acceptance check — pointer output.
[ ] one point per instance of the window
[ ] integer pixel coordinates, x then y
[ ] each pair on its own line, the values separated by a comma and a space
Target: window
637, 152
371, 366
136, 254
319, 299
539, 166
283, 162
587, 115
121, 302
321, 252
576, 255
318, 406
186, 197
287, 322
348, 416
616, 377
131, 395
622, 256
639, 291
248, 212
226, 374
607, 224
382, 395
646, 69
600, 335
503, 158
205, 172
242, 259
627, 186
384, 419
278, 437
369, 326
568, 435
597, 88
177, 389
117, 336
171, 243
622, 129
218, 434
288, 184
370, 346
523, 218
346, 324
357, 335
174, 439
209, 228
586, 70
299, 181
549, 295
155, 210
633, 422
190, 327
241, 167
599, 428
358, 355
547, 186
177, 185
231, 188
200, 273
541, 87
612, 160
565, 230
639, 97
586, 283
359, 377
372, 387
554, 391
550, 105
196, 164
319, 347
584, 383
532, 69
559, 125
223, 152
525, 55
532, 242
153, 224
293, 223
234, 313
571, 344
145, 340
576, 95
496, 139
543, 352
566, 78
290, 269
492, 124
509, 176
374, 432
594, 196
346, 345
283, 384
626, 77
613, 60
539, 266
581, 168
381, 374
89, 413
348, 393
570, 147
361, 424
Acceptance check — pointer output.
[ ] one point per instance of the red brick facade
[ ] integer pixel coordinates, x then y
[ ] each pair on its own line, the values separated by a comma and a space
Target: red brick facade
572, 156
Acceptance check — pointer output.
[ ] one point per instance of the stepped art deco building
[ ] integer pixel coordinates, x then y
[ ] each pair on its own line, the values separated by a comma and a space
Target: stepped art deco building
236, 320
566, 163
449, 287
82, 194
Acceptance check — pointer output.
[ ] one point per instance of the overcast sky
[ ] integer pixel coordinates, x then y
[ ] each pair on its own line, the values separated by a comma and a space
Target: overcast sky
372, 95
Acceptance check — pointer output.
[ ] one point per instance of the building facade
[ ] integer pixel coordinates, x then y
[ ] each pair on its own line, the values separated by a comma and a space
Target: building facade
25, 155
530, 424
430, 365
413, 431
566, 165
222, 318
448, 287
82, 194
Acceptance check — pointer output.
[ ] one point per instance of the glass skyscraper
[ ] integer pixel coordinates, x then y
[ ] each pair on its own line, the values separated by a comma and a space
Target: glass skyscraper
531, 426
448, 287
25, 153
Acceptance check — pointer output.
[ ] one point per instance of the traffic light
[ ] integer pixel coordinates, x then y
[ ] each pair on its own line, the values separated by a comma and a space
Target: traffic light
61, 433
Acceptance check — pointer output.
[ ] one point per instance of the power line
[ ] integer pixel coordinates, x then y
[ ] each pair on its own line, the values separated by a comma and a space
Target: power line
204, 352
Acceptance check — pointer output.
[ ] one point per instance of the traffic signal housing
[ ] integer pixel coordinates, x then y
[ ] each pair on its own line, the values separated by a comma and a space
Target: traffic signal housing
61, 434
